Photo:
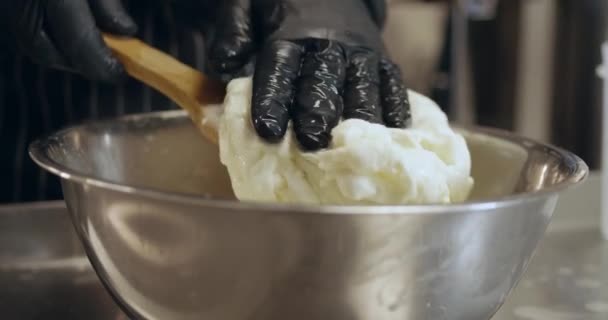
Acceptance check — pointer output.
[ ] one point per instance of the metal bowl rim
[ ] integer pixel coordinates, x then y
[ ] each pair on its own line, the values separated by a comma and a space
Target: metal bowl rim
36, 151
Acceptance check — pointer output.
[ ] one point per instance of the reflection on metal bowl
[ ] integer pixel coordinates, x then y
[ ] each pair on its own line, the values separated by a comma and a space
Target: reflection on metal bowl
154, 209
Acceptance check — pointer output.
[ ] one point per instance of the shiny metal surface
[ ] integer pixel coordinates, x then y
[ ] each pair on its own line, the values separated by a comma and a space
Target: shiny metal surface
44, 273
568, 277
153, 207
566, 280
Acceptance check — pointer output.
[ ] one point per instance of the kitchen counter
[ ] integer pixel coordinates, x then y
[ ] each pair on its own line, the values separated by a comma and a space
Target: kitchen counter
568, 277
45, 275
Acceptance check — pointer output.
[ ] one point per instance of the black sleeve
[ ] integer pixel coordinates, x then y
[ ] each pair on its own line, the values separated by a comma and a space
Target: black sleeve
377, 9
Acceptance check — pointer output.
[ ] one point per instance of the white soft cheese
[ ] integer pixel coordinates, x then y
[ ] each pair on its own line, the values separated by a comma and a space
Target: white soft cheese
365, 163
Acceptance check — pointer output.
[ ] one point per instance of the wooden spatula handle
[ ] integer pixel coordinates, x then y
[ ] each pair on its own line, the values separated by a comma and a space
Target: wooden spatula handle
188, 87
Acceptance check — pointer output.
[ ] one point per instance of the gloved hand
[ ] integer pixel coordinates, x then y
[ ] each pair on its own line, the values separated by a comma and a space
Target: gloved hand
63, 33
320, 60
235, 32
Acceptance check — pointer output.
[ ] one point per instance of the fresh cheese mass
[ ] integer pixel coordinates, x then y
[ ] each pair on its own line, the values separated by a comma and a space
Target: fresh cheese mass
365, 164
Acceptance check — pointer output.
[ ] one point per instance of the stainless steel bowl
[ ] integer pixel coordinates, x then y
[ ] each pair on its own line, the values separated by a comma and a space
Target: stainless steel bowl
155, 212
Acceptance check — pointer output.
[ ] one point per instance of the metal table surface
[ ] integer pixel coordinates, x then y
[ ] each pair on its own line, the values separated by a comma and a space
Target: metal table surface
45, 275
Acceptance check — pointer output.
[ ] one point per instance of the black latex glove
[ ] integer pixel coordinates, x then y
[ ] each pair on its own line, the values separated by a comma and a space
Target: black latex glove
320, 60
64, 33
235, 32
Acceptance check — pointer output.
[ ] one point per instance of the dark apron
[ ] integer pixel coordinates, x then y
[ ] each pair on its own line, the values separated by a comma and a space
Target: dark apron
35, 101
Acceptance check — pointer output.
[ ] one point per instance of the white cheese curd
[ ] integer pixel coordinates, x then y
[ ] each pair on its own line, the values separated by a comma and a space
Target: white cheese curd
365, 163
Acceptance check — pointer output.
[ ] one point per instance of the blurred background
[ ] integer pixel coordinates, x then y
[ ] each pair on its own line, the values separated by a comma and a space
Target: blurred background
523, 65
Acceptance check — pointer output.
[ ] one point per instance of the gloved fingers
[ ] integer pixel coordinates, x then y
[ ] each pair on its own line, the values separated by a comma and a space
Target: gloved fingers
267, 17
42, 51
395, 102
34, 40
111, 16
361, 89
72, 26
318, 102
233, 42
277, 68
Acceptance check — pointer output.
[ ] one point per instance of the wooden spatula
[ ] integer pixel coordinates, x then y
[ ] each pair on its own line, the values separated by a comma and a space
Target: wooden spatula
187, 87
